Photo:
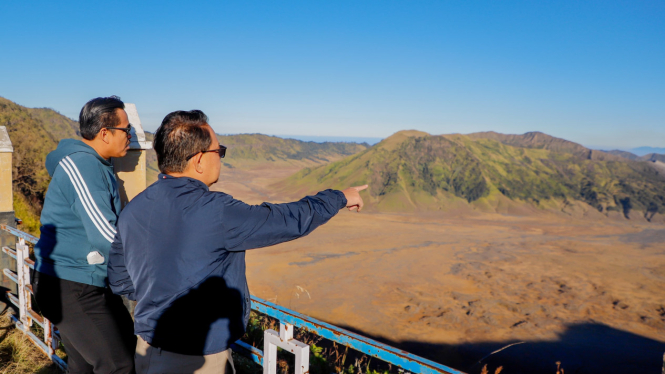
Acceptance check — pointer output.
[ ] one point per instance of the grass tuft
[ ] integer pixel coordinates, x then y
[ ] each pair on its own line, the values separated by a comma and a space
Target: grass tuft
18, 355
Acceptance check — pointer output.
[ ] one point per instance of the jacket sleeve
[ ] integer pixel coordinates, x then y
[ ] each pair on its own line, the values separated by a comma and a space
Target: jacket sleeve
254, 226
92, 201
119, 279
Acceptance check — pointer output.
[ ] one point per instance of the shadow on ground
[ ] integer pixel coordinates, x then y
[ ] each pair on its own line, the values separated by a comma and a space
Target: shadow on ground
583, 348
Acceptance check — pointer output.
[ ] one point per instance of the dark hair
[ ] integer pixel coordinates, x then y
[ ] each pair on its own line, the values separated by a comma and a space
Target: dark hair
181, 134
98, 113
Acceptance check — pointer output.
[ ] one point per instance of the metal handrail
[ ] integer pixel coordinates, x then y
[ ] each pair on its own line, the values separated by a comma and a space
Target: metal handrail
403, 359
20, 234
287, 318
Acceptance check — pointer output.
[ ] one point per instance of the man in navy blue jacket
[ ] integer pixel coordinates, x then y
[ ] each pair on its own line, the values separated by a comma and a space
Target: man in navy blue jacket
180, 250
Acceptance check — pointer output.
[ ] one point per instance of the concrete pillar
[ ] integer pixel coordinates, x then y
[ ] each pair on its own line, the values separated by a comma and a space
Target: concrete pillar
131, 169
6, 210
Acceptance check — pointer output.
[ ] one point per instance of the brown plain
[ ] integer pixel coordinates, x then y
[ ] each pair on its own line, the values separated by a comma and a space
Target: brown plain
453, 287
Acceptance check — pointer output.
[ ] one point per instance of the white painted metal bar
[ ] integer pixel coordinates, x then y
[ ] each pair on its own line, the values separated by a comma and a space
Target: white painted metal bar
23, 302
40, 344
12, 253
23, 275
284, 339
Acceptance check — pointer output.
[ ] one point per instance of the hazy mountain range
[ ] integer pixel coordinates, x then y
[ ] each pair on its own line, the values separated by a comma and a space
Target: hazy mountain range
643, 151
408, 171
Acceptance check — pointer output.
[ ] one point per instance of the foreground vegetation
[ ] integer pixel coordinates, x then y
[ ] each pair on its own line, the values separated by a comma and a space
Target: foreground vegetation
18, 355
325, 357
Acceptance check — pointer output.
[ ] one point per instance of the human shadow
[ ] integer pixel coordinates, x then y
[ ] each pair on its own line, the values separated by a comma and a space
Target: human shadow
53, 287
582, 348
184, 327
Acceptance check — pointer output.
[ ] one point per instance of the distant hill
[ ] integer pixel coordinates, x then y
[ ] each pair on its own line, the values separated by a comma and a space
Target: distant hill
34, 133
631, 156
258, 150
415, 171
624, 154
653, 157
262, 148
642, 151
56, 124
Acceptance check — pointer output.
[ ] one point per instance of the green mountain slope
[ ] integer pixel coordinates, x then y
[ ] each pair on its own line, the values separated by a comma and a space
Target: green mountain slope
34, 133
261, 148
416, 171
258, 150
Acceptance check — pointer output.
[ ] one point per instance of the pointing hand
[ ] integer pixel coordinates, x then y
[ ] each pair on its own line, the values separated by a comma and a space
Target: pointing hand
353, 199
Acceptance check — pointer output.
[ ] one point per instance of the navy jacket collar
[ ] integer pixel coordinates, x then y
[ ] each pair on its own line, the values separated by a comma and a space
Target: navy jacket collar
197, 183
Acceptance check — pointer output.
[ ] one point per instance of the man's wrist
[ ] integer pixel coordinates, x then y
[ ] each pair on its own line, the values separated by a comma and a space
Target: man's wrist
342, 198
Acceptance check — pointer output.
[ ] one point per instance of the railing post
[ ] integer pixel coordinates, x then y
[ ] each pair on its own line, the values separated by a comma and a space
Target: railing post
6, 208
130, 170
23, 272
284, 339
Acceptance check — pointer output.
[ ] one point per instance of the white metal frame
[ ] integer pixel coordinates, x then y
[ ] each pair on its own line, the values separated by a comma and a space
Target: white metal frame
26, 315
284, 339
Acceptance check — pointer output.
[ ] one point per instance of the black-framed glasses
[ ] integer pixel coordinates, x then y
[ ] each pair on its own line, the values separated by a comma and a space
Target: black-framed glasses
125, 129
221, 151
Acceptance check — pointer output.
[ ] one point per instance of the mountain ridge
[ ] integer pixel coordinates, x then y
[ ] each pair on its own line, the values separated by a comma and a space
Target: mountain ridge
408, 171
493, 172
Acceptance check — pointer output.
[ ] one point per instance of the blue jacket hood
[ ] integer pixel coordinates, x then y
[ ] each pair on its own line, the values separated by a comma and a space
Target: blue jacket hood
67, 147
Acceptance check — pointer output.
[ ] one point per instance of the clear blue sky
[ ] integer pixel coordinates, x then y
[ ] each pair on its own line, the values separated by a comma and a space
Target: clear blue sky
588, 71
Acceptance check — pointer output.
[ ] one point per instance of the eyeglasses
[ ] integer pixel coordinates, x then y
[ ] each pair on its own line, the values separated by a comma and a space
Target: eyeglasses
221, 151
125, 129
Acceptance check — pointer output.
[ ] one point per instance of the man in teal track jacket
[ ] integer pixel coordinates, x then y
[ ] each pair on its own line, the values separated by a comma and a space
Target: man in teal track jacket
78, 226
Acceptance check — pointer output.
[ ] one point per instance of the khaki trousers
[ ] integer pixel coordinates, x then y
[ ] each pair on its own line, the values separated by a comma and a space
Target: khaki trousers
151, 360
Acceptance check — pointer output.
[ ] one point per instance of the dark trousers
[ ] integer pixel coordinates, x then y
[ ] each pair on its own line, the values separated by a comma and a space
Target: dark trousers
96, 328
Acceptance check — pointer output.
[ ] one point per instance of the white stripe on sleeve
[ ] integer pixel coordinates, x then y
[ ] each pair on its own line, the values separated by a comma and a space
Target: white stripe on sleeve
84, 202
86, 191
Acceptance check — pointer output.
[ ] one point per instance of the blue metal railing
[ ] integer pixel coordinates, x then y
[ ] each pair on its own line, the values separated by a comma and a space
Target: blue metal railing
405, 360
20, 234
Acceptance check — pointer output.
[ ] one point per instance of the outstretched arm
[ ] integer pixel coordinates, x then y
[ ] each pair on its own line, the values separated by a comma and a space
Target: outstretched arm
254, 226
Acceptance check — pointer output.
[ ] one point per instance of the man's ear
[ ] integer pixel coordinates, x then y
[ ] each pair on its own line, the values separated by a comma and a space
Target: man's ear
104, 135
197, 163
